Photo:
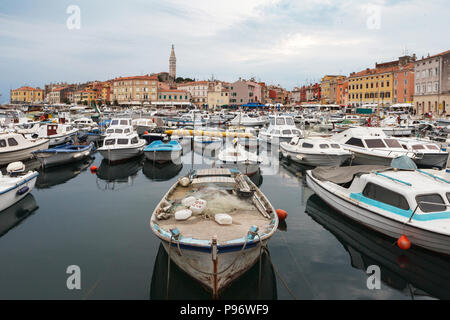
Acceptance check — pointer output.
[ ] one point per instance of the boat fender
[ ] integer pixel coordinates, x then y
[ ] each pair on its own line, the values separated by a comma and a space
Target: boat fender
403, 242
189, 201
183, 214
184, 182
282, 214
198, 206
223, 219
22, 190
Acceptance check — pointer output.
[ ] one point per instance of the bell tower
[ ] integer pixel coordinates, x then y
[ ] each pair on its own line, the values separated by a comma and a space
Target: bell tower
173, 64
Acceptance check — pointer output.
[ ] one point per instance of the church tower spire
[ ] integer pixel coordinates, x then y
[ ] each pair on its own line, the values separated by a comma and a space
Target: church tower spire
173, 64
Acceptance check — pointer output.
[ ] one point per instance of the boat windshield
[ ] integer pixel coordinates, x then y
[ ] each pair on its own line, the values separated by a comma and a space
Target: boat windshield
290, 121
433, 202
281, 121
109, 142
392, 143
432, 147
335, 146
375, 143
124, 122
122, 141
418, 147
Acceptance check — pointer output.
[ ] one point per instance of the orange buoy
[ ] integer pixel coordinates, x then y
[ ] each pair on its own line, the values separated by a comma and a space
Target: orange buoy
403, 242
145, 132
282, 214
93, 169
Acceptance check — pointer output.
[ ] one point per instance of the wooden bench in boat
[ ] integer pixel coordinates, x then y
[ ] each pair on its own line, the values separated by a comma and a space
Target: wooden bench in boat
223, 182
213, 172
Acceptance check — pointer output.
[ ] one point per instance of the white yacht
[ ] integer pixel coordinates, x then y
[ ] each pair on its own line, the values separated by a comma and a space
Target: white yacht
281, 128
15, 147
143, 124
118, 147
315, 151
84, 124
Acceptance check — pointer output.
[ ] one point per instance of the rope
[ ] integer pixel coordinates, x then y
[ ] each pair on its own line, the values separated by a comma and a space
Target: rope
264, 249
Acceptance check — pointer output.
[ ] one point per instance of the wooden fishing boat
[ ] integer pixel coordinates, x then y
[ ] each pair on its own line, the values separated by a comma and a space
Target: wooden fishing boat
209, 247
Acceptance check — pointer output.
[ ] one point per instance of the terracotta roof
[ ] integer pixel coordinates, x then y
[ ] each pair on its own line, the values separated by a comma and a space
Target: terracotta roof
25, 88
137, 78
374, 71
192, 83
436, 55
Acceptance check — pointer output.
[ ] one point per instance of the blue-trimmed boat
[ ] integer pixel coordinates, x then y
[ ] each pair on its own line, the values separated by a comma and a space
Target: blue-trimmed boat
63, 154
161, 152
392, 201
210, 250
16, 184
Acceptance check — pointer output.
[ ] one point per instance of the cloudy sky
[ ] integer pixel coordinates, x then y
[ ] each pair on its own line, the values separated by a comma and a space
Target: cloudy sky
286, 42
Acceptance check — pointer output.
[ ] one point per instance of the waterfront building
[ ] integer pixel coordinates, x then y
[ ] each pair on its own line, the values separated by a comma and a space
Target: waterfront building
135, 90
218, 95
27, 95
404, 83
342, 92
432, 84
84, 96
173, 97
198, 91
375, 86
328, 88
245, 91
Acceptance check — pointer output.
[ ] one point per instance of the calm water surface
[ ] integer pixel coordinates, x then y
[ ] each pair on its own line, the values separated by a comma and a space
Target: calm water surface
100, 222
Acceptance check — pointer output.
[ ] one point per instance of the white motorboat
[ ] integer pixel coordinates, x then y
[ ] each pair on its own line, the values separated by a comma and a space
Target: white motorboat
56, 133
243, 119
16, 184
212, 224
281, 128
315, 151
236, 157
15, 147
394, 202
84, 124
142, 125
119, 147
373, 146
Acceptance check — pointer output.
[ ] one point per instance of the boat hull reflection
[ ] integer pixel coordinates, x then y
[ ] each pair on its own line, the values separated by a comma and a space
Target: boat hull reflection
404, 270
184, 287
161, 171
58, 175
17, 213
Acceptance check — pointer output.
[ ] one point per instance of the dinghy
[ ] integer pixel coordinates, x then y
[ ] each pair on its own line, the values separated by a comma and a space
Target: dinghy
161, 152
212, 224
392, 201
16, 184
63, 154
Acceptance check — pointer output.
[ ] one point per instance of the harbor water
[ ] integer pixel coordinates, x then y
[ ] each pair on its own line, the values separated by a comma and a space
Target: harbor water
100, 222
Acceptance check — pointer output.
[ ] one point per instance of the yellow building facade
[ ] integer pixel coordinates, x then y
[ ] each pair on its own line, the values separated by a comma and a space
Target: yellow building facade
328, 87
27, 95
372, 86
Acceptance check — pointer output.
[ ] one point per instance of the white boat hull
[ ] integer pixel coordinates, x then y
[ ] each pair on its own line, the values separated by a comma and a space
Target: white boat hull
390, 227
23, 154
10, 196
203, 262
121, 154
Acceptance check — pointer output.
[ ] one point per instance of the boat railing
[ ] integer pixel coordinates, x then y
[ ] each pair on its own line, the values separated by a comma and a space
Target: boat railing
425, 202
433, 176
393, 179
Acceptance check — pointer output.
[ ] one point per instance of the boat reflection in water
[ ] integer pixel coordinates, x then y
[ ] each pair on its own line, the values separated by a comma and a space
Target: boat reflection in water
415, 271
184, 287
17, 213
257, 178
114, 175
161, 171
58, 175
